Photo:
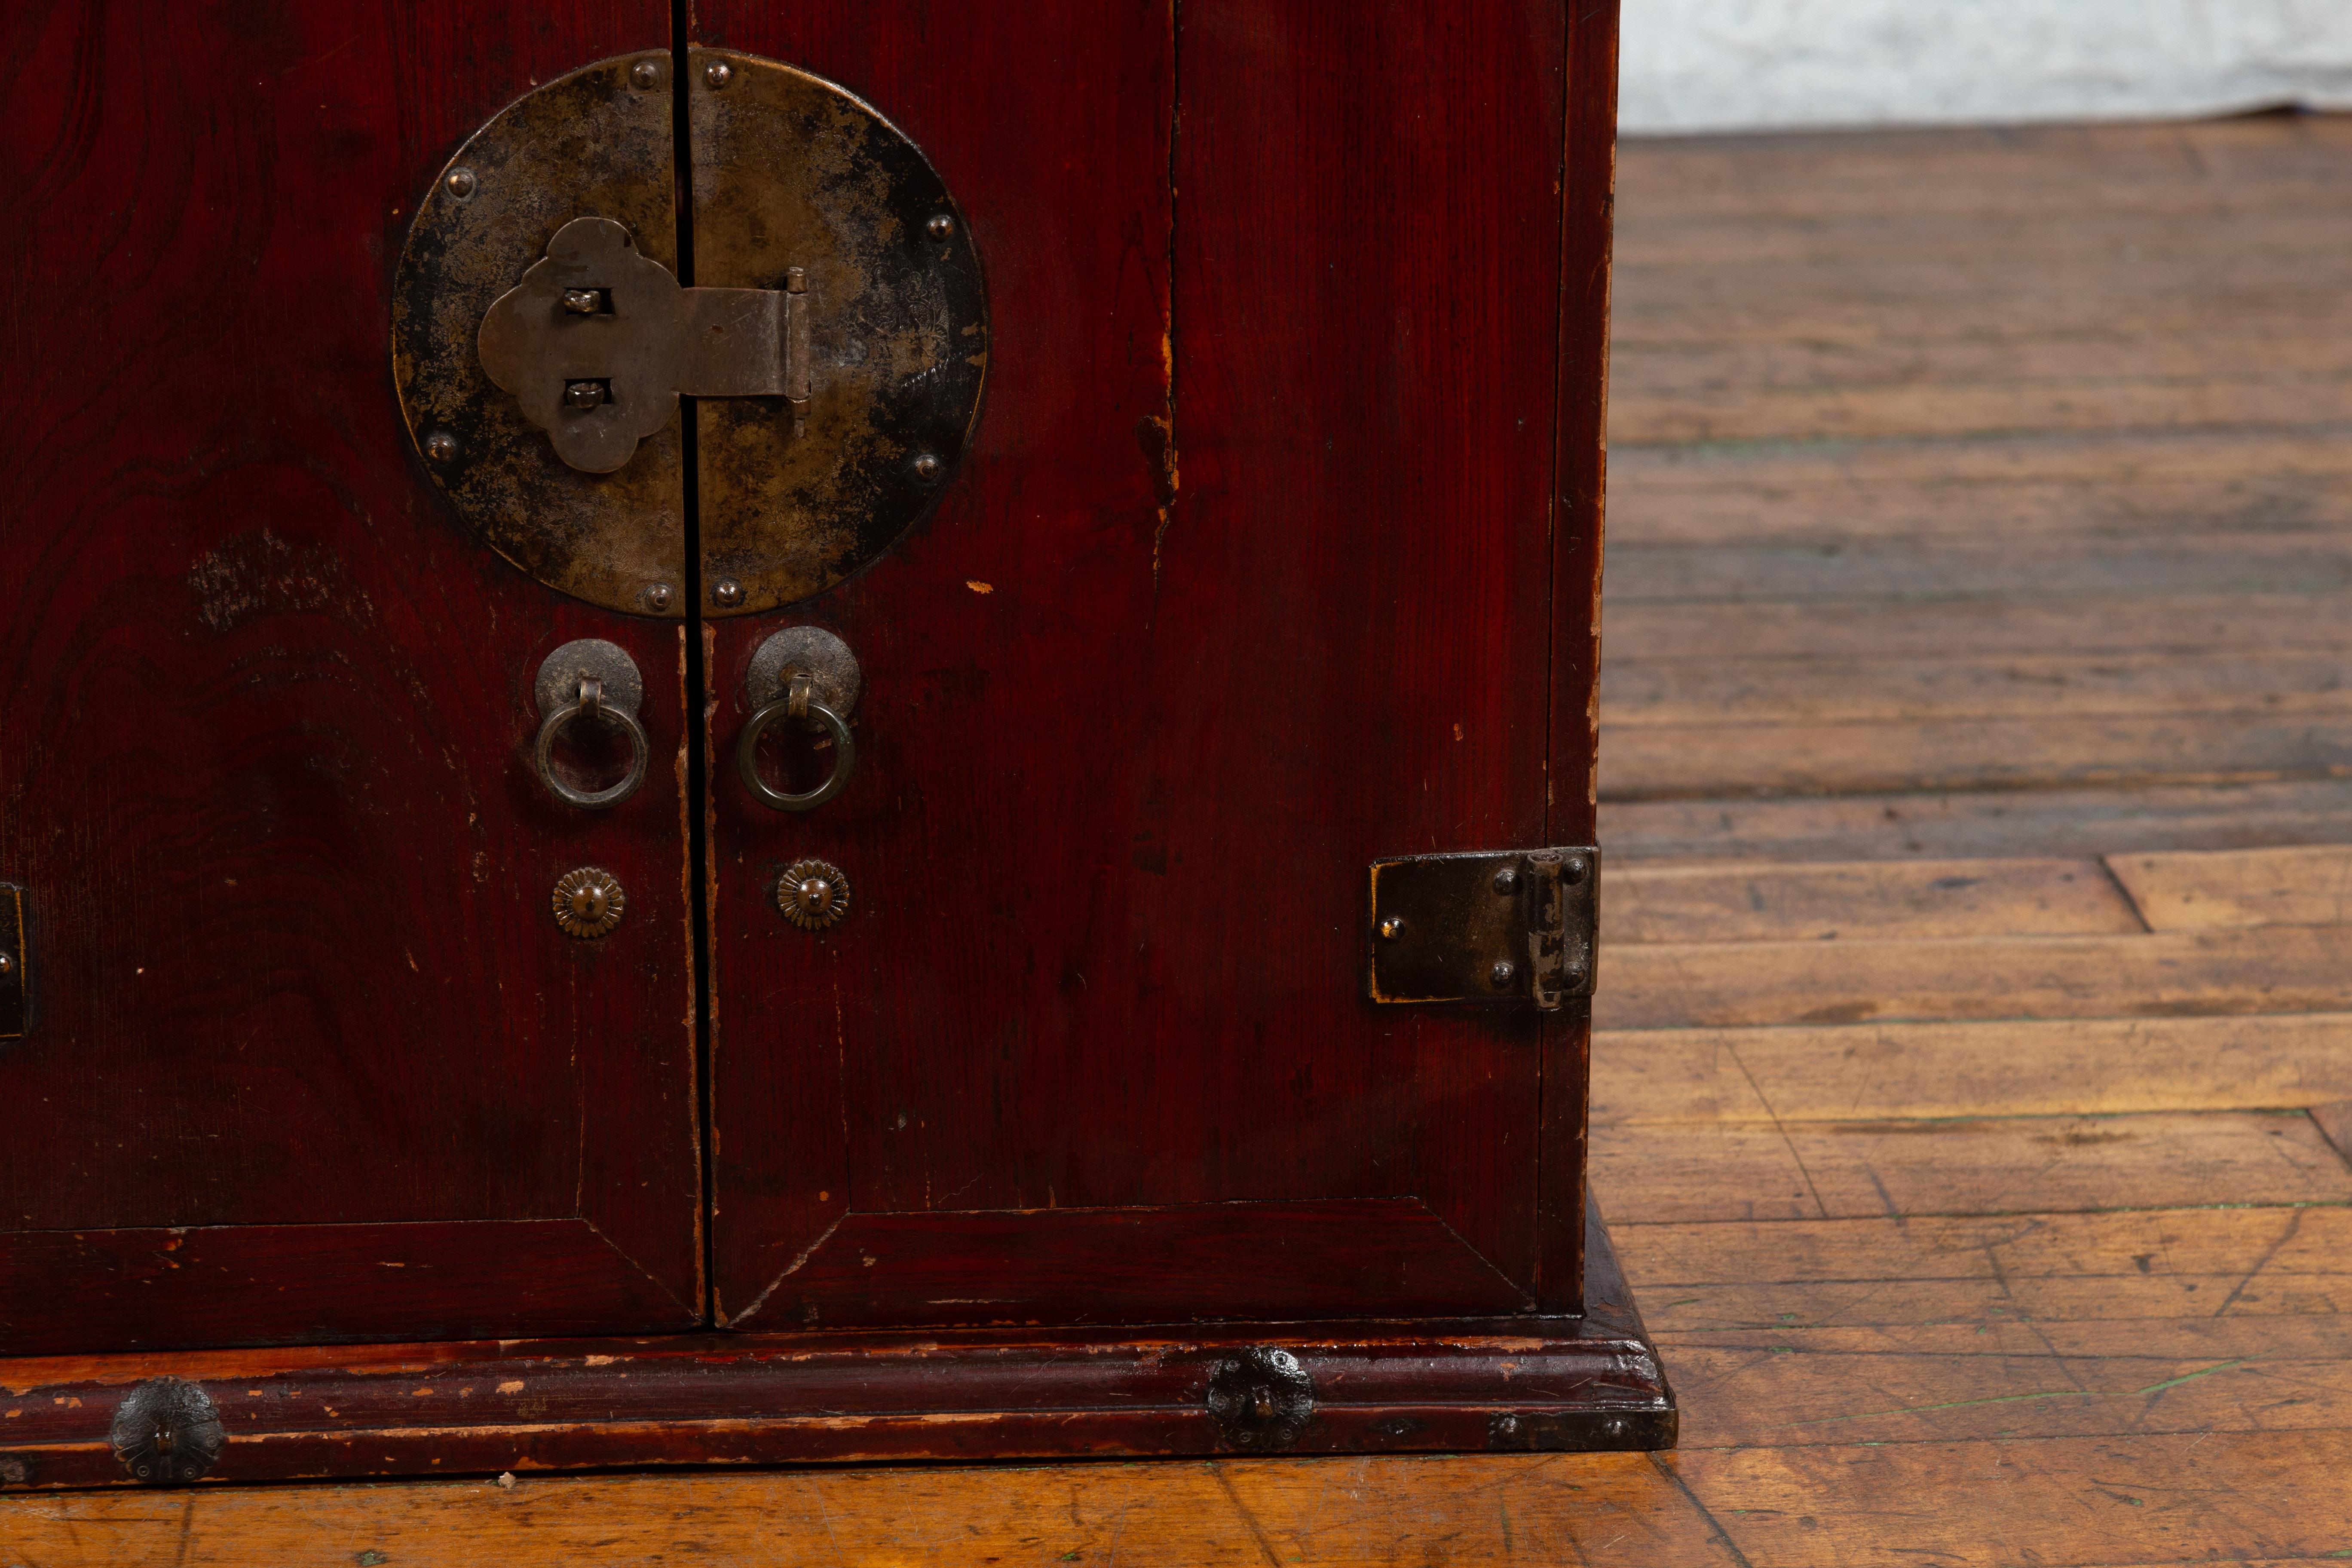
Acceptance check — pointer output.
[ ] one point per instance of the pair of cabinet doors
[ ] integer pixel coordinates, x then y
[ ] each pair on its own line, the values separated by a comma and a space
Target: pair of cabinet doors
1273, 553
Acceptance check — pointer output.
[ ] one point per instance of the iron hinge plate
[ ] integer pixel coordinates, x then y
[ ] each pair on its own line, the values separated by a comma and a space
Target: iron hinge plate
1505, 925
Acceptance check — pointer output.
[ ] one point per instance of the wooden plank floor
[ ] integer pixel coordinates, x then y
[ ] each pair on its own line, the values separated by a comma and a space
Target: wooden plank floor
1974, 1082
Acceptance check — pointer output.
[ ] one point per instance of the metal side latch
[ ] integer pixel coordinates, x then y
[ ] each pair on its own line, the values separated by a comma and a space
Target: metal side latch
13, 982
1507, 925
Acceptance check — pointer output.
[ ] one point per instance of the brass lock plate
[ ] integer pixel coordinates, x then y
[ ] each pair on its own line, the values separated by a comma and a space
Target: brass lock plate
789, 168
833, 341
592, 144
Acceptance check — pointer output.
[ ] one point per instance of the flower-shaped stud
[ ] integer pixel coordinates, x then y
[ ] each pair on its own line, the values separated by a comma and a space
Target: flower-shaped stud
813, 894
588, 902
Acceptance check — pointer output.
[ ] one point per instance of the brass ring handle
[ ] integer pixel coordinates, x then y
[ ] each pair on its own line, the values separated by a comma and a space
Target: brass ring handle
590, 705
797, 703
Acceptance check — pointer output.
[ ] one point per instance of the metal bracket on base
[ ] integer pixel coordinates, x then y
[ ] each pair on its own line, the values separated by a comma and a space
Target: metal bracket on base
1262, 1398
166, 1430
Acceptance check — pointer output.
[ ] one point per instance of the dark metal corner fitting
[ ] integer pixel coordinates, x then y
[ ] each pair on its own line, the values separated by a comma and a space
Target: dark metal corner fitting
1509, 925
15, 981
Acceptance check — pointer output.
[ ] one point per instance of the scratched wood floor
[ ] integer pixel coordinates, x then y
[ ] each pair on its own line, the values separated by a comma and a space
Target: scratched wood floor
1975, 1080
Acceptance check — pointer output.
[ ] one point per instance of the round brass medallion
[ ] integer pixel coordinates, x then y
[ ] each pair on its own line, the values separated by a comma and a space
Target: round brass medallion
589, 902
813, 894
542, 338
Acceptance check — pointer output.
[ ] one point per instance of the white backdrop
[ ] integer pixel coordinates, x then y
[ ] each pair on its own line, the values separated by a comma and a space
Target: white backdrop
1728, 65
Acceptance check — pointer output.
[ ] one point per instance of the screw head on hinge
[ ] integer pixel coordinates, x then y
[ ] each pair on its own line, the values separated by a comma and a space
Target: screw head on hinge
645, 75
717, 73
1502, 974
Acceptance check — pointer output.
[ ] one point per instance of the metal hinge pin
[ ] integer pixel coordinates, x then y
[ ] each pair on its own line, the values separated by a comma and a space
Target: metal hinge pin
796, 346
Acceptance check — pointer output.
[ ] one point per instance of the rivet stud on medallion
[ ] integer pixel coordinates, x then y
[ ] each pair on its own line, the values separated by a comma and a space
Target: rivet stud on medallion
588, 902
813, 894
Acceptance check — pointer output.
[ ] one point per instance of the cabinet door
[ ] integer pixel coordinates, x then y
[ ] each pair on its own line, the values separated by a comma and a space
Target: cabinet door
306, 1056
1247, 582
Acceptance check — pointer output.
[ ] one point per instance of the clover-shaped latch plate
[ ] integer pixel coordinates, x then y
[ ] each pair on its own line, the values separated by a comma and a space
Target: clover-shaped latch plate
599, 341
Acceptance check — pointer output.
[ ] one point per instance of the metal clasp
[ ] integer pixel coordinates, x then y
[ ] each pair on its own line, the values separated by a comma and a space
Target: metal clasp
15, 982
599, 342
1499, 926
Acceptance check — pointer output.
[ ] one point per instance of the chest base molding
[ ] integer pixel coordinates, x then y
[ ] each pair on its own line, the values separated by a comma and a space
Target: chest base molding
1461, 1386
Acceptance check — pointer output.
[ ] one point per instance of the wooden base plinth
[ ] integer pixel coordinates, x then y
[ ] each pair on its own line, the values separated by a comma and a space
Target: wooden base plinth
1452, 1386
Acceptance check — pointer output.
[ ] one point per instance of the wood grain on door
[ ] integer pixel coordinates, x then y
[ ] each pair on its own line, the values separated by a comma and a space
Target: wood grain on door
310, 1058
1247, 582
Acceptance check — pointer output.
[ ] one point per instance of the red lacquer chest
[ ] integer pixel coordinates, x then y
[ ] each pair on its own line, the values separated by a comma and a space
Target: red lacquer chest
815, 731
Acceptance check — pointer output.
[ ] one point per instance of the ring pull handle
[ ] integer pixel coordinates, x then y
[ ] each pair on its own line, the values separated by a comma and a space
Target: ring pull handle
809, 676
595, 683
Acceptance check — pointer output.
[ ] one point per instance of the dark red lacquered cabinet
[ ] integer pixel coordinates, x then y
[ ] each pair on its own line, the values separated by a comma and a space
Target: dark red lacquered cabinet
726, 732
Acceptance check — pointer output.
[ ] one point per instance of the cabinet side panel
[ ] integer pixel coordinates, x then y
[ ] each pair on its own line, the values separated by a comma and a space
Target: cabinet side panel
1351, 615
1589, 185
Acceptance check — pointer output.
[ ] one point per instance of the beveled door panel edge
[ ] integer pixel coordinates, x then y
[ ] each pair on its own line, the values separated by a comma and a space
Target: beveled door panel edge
158, 1289
1356, 1258
1460, 1384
